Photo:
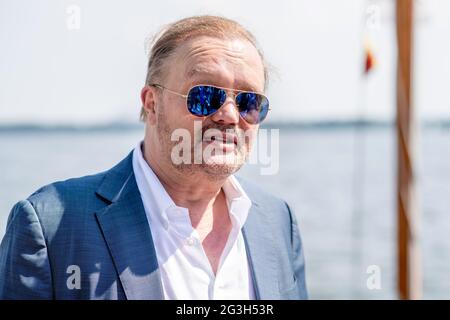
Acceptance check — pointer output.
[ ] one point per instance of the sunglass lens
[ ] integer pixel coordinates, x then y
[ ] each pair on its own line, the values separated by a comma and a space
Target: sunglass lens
253, 107
205, 100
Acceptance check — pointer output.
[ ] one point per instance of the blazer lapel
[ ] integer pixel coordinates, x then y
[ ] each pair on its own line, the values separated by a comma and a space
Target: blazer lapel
126, 230
262, 253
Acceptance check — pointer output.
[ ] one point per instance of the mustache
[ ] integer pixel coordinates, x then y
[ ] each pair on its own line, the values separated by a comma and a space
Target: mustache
224, 128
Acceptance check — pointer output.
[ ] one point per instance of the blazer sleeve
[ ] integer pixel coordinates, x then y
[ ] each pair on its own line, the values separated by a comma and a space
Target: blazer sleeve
298, 257
24, 264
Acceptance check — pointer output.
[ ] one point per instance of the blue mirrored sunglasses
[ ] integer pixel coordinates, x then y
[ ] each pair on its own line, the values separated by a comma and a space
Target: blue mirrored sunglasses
205, 100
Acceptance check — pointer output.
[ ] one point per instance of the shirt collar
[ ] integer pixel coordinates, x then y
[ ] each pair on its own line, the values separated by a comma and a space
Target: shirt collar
238, 202
158, 196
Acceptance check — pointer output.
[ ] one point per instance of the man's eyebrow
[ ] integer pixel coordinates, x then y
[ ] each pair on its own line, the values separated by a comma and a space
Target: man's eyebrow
195, 74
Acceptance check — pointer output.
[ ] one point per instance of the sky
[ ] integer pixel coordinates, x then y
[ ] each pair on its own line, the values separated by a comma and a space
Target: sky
56, 68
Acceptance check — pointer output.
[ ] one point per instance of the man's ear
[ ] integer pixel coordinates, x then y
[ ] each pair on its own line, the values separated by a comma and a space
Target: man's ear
148, 98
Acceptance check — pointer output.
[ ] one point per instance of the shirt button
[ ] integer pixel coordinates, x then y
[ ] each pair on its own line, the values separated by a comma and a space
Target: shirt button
165, 224
190, 241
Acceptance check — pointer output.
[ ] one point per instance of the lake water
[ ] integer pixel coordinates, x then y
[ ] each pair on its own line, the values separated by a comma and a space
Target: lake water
344, 197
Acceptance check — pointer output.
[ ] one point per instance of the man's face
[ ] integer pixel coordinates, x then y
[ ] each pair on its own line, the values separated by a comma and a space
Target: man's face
233, 64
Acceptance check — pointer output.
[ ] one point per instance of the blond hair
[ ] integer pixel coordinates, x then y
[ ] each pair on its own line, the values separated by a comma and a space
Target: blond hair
168, 40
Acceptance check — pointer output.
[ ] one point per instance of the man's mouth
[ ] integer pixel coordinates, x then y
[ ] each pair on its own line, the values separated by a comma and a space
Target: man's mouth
224, 140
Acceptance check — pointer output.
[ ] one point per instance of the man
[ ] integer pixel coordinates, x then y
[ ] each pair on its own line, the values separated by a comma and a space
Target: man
166, 223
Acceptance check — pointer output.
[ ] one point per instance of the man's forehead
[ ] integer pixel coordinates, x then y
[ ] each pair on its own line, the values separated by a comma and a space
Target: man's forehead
208, 58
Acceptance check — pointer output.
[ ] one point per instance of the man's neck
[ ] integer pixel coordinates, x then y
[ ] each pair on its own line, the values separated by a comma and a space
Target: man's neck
199, 195
206, 202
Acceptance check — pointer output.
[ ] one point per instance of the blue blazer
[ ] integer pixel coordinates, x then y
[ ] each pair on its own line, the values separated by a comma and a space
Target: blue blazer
89, 238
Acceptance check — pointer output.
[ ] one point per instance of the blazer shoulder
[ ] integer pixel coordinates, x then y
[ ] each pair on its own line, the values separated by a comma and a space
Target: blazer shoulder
66, 190
275, 208
261, 196
76, 199
79, 189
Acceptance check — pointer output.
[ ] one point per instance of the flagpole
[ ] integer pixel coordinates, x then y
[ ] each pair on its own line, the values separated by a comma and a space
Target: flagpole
408, 269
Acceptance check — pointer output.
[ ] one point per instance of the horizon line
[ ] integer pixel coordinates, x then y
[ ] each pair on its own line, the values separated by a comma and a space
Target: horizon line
306, 124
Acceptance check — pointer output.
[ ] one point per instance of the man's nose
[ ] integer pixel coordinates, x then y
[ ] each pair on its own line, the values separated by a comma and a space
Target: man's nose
228, 112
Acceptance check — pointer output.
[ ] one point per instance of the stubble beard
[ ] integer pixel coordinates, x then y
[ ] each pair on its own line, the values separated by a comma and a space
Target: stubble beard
212, 168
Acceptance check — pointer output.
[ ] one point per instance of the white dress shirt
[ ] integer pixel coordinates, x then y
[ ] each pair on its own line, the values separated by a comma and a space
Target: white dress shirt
186, 272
